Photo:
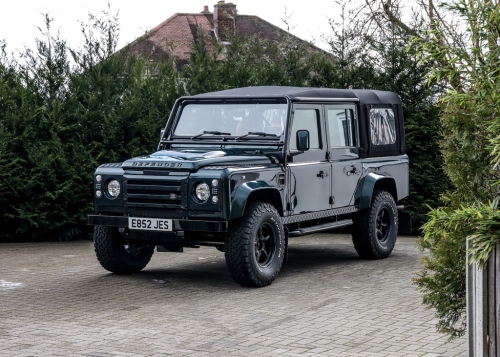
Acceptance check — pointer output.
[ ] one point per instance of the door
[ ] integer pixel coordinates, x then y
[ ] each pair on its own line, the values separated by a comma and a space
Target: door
346, 167
309, 171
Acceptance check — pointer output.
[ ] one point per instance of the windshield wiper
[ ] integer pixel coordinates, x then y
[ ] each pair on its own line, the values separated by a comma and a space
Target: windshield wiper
209, 132
258, 133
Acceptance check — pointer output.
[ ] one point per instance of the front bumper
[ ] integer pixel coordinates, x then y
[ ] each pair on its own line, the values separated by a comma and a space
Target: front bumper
178, 224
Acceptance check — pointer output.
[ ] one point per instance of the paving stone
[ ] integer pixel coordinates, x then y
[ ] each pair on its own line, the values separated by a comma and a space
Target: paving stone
325, 302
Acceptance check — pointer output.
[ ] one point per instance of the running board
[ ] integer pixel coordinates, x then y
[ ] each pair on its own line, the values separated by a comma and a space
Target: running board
319, 228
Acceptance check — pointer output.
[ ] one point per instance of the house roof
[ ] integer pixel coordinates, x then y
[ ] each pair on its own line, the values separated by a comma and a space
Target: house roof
176, 35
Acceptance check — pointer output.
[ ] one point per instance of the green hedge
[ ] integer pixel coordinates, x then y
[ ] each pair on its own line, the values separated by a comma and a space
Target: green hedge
63, 112
60, 120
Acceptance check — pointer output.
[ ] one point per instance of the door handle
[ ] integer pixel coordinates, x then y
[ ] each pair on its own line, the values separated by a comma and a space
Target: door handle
353, 171
322, 174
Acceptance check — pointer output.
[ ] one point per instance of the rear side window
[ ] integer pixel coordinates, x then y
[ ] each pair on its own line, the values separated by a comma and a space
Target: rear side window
383, 126
341, 127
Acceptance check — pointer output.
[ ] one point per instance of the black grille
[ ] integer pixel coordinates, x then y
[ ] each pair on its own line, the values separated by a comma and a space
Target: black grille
158, 191
157, 213
159, 200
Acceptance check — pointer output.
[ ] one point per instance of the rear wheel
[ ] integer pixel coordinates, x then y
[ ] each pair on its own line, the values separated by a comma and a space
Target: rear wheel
375, 229
255, 246
118, 255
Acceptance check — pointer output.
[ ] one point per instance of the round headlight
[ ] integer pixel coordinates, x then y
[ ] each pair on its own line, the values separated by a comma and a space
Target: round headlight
202, 191
114, 188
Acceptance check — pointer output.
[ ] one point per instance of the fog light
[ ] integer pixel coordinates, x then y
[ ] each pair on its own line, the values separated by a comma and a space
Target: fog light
215, 183
98, 178
215, 199
98, 193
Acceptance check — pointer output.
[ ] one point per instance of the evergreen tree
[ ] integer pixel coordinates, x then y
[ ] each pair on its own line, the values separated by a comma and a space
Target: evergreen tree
376, 55
462, 50
60, 119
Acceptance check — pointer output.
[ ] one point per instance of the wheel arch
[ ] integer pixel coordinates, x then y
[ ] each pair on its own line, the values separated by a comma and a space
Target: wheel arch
255, 191
376, 181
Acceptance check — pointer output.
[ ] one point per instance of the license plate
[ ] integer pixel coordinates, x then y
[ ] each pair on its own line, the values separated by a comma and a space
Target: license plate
150, 224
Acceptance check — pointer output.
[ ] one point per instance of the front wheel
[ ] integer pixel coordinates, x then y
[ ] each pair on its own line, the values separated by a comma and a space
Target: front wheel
118, 255
255, 246
375, 229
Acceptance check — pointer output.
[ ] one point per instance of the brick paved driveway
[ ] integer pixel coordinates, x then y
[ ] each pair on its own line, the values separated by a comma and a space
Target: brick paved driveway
56, 300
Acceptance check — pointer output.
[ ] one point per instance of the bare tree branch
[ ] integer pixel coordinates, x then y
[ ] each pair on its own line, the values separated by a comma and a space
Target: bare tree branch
387, 6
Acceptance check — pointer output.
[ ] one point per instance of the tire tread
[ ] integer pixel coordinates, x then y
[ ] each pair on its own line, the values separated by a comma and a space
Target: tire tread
364, 244
237, 252
112, 256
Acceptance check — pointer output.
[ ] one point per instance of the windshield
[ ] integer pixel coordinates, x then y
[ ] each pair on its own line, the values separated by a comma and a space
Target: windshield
239, 120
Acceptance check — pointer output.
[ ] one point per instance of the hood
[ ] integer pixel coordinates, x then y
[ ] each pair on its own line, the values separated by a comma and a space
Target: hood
193, 159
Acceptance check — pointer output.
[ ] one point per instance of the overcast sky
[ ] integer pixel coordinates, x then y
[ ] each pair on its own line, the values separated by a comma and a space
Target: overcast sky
19, 18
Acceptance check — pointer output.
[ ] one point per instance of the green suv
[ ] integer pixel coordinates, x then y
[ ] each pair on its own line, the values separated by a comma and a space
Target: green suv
246, 169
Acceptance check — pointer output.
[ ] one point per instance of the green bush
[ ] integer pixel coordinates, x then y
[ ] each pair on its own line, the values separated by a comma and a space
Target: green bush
63, 112
466, 61
59, 121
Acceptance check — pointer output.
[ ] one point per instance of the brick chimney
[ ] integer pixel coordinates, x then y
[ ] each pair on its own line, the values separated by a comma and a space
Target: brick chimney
224, 20
205, 10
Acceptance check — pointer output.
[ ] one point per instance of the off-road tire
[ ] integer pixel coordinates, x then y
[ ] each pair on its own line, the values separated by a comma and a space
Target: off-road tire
255, 246
117, 255
375, 229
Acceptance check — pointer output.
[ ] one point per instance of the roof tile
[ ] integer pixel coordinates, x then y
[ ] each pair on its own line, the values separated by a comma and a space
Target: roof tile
176, 35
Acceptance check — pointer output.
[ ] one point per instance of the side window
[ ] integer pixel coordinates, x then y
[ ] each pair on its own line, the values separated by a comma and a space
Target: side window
306, 119
383, 126
341, 127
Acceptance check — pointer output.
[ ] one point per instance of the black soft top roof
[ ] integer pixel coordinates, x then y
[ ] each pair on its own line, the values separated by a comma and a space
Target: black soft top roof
365, 96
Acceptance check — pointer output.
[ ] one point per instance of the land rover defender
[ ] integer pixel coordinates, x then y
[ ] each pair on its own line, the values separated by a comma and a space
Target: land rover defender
246, 169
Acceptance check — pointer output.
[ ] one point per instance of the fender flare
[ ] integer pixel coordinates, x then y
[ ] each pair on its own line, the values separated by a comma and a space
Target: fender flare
368, 186
243, 192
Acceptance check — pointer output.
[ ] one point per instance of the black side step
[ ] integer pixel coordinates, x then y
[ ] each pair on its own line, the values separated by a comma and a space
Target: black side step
320, 227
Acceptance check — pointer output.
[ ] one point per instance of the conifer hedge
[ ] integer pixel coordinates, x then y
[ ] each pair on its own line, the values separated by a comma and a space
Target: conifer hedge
60, 118
64, 111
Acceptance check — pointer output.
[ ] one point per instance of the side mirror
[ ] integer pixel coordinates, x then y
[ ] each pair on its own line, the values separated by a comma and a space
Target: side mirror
303, 140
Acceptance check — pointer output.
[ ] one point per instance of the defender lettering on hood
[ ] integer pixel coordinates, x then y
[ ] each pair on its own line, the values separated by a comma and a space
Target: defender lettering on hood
193, 160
